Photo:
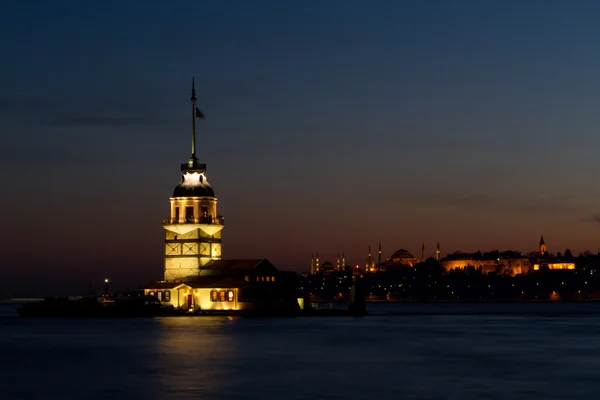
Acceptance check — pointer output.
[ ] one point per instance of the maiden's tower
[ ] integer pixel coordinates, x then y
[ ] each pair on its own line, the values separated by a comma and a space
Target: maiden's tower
193, 230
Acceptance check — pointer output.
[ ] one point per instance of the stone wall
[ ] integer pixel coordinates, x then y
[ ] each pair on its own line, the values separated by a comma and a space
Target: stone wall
508, 266
186, 253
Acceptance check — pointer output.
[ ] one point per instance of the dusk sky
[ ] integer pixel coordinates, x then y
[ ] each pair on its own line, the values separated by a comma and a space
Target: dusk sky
330, 125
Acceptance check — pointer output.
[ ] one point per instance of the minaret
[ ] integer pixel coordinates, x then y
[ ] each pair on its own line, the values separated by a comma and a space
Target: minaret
337, 263
317, 265
542, 248
369, 262
312, 263
343, 261
193, 231
379, 257
437, 251
423, 252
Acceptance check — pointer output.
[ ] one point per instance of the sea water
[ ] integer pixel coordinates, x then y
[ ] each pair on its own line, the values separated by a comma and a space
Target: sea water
404, 351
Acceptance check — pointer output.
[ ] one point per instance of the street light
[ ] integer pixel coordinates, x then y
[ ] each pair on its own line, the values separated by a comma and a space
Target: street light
106, 287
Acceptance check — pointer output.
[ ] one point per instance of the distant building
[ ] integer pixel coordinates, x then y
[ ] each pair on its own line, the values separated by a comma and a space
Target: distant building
508, 262
403, 257
400, 258
327, 268
545, 260
502, 263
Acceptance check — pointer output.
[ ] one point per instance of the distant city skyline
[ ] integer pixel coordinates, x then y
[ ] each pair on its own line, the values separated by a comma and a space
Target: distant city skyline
329, 127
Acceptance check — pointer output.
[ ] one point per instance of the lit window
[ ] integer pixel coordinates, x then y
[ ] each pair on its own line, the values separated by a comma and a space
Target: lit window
230, 295
247, 278
150, 293
272, 279
268, 279
222, 296
159, 295
214, 295
167, 295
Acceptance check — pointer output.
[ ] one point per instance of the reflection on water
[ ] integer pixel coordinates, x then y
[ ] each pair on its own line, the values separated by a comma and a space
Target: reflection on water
456, 352
190, 360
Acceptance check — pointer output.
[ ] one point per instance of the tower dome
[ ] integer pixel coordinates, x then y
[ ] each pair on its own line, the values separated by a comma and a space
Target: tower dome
193, 184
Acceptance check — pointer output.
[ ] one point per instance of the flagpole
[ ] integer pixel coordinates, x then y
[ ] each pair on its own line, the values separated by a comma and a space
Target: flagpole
193, 100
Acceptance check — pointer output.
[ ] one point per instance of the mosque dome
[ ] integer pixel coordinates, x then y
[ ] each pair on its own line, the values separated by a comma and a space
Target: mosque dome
402, 255
193, 184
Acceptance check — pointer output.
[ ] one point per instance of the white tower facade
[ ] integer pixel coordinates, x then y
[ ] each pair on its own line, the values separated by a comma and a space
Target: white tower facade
193, 230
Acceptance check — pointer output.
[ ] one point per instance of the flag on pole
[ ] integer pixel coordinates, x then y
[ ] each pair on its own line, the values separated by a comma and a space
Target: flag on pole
199, 113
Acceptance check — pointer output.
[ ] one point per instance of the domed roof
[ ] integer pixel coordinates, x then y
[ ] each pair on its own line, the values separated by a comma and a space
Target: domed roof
401, 254
193, 184
198, 191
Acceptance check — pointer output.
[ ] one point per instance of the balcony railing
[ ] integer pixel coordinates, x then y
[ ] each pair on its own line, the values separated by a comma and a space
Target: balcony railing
191, 220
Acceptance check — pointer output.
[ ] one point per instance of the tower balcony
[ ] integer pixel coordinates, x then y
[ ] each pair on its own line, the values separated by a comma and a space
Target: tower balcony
181, 226
218, 220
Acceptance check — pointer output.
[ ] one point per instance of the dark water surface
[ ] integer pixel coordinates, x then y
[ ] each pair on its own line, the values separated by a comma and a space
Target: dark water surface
425, 351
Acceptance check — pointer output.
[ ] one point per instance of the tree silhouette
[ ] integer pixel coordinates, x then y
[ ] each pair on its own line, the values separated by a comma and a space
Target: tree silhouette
568, 254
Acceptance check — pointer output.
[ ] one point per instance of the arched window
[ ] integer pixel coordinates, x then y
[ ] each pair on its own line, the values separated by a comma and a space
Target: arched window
214, 294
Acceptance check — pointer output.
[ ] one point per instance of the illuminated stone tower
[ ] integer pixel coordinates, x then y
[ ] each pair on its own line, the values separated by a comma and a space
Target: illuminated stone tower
437, 252
542, 248
193, 231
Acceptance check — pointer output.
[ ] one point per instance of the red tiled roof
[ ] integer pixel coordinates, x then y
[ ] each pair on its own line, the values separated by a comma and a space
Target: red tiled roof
198, 282
163, 285
215, 282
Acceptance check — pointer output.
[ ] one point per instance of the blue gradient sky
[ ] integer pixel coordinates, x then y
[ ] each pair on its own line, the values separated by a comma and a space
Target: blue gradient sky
330, 126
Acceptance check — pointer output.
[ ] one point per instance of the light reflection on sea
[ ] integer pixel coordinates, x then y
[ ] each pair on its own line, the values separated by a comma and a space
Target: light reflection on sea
467, 351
